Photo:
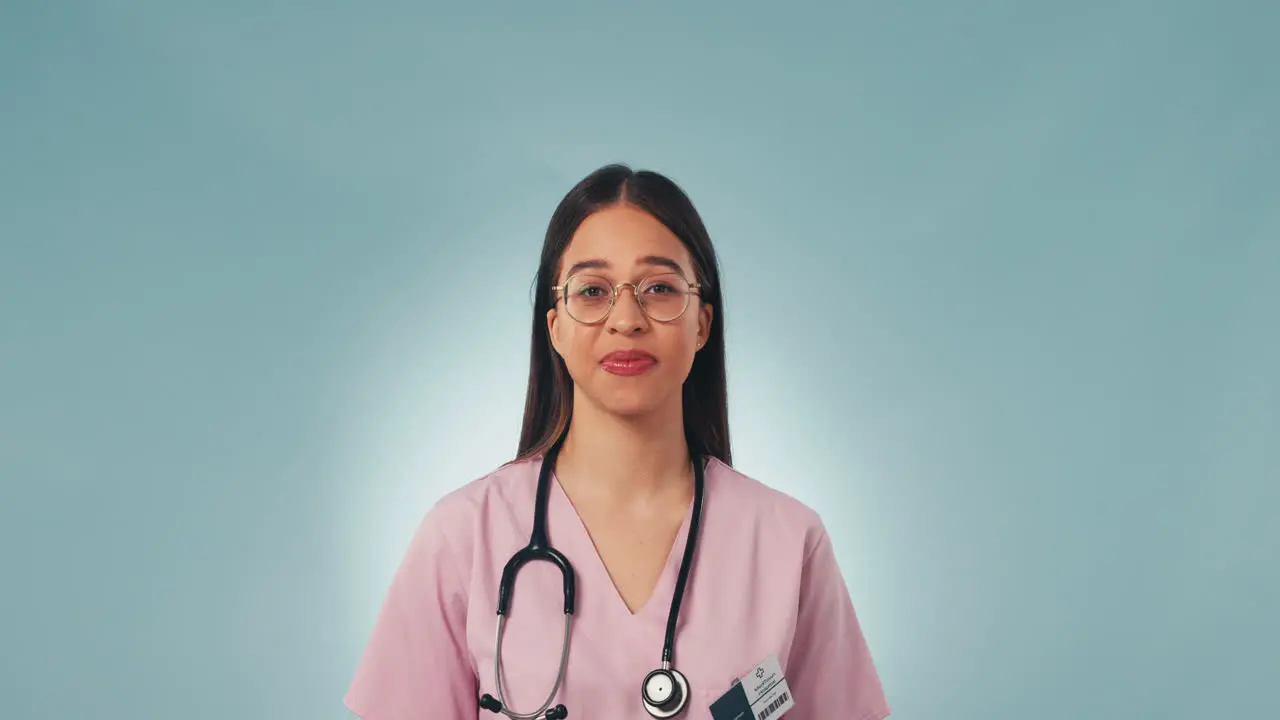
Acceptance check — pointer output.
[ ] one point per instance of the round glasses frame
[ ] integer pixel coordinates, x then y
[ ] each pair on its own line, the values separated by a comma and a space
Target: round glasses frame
562, 291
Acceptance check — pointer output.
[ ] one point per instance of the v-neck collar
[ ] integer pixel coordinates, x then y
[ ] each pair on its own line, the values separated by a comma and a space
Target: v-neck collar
595, 576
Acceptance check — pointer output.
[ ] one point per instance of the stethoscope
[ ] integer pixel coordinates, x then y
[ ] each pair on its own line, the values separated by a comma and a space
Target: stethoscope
664, 691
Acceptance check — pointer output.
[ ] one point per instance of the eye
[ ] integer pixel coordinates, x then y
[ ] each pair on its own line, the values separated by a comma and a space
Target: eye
666, 284
590, 289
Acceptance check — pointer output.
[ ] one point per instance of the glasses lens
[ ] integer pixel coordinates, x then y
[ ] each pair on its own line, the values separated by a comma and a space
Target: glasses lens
664, 297
587, 298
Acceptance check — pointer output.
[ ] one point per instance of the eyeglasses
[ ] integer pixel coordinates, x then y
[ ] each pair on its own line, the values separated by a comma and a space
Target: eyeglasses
589, 299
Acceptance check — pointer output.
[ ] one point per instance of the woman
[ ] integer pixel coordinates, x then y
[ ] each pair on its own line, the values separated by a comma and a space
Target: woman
626, 409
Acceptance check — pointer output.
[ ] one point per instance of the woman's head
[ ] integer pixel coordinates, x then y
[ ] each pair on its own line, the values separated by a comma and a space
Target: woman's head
628, 312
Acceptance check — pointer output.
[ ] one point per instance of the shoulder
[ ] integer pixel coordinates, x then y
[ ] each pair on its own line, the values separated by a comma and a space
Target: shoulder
763, 511
462, 520
512, 482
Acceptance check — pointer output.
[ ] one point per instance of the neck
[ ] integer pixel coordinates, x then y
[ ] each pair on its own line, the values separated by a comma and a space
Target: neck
628, 460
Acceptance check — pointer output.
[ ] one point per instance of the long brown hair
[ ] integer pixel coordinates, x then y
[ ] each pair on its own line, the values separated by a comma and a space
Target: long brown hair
549, 400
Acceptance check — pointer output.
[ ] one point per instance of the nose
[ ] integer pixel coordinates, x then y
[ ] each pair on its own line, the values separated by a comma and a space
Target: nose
627, 316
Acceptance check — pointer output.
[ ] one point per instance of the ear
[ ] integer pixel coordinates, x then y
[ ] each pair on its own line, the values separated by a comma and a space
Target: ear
552, 318
706, 314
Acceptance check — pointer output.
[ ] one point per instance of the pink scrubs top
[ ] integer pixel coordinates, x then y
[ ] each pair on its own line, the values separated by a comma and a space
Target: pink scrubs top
764, 582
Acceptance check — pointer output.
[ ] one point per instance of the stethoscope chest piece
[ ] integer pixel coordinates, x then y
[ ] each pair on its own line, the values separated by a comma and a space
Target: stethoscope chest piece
665, 693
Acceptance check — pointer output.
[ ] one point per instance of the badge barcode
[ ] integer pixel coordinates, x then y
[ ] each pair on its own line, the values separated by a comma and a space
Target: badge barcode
777, 703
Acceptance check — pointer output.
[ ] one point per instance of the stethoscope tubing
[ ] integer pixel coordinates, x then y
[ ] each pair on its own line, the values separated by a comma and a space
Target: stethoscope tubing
497, 671
539, 548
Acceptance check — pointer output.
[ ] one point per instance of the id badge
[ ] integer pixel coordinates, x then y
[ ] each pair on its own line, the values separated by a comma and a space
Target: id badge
761, 694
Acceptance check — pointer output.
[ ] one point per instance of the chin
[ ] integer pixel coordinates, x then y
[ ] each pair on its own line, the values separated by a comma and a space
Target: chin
630, 410
630, 402
628, 405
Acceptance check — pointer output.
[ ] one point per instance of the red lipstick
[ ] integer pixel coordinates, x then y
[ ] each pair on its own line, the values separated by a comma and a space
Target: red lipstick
628, 362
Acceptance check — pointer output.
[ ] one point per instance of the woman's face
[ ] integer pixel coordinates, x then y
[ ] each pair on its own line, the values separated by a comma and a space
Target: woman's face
629, 363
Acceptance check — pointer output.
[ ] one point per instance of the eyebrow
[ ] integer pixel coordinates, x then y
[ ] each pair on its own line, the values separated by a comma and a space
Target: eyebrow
656, 260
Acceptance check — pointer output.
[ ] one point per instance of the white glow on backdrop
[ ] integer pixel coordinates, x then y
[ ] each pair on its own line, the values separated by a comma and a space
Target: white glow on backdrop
434, 415
783, 438
440, 397
789, 431
438, 402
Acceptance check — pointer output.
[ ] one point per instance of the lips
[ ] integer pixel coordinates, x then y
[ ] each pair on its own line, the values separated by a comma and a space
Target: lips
627, 362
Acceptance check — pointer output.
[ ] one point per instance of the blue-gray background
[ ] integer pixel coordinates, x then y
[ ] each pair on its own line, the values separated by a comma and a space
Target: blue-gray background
1002, 286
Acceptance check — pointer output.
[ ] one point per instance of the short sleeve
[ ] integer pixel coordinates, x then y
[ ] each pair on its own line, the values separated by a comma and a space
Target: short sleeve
830, 670
416, 665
